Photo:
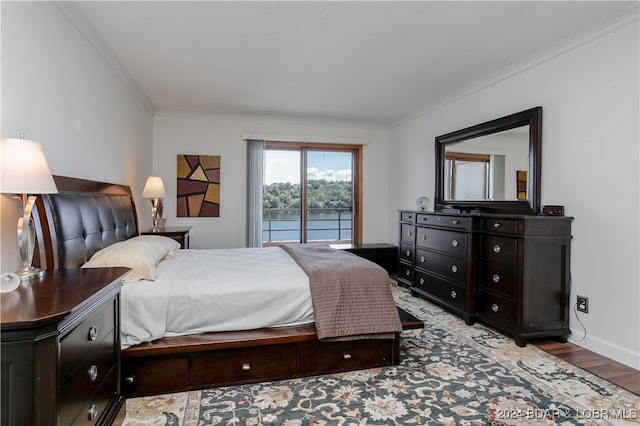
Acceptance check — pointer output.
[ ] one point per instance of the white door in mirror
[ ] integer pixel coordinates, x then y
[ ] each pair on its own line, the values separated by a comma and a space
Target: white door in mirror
9, 282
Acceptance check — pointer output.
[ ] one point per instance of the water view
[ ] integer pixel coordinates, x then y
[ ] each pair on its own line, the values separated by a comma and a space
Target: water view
323, 225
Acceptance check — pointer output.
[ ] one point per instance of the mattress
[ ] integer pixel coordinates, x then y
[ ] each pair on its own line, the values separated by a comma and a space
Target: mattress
210, 290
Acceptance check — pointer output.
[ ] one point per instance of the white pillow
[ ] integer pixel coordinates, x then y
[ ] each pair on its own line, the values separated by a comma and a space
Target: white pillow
141, 254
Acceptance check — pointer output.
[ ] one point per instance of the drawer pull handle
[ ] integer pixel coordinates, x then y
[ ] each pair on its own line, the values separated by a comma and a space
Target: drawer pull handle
422, 259
497, 225
495, 307
346, 356
496, 278
496, 248
453, 294
421, 280
424, 237
93, 333
454, 268
456, 222
246, 367
93, 412
407, 272
409, 234
129, 380
455, 243
410, 217
408, 253
93, 373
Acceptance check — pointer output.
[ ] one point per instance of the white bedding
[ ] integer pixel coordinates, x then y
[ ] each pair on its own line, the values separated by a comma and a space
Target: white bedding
199, 291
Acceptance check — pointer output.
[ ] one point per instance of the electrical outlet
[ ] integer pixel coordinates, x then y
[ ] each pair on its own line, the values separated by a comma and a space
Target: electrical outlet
582, 304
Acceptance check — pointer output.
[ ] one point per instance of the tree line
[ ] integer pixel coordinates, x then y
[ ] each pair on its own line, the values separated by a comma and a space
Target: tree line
320, 194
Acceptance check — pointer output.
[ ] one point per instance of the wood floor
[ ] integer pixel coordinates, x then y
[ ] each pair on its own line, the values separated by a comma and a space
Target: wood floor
608, 369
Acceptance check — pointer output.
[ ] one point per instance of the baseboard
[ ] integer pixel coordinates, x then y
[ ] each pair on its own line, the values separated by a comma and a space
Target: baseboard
607, 349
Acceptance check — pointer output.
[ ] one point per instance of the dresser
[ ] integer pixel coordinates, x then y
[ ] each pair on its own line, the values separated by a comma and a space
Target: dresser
61, 349
508, 271
436, 259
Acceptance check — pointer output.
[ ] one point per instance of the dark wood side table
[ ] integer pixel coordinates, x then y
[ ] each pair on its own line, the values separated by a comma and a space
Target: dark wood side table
178, 233
385, 255
61, 349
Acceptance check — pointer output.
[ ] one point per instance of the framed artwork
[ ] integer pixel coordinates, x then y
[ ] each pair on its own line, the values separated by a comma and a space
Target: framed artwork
521, 184
198, 186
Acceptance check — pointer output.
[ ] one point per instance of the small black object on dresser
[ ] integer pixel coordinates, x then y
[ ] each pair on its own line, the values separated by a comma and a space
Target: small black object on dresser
178, 233
61, 349
510, 271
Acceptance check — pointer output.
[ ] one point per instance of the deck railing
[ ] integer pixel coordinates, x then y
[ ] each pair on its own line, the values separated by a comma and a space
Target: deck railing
327, 224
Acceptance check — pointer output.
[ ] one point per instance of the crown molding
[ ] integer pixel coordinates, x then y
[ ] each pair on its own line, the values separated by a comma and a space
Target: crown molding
627, 16
79, 20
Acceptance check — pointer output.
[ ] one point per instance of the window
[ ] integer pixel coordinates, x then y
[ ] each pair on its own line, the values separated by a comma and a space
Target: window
311, 193
467, 176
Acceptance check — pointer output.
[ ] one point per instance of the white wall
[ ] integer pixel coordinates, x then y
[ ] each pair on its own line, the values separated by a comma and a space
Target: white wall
175, 135
57, 90
590, 100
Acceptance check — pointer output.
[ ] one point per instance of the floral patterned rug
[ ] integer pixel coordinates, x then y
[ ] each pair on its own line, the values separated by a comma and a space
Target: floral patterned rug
450, 374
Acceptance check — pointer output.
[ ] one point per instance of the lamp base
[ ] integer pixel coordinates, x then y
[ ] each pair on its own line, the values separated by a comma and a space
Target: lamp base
29, 273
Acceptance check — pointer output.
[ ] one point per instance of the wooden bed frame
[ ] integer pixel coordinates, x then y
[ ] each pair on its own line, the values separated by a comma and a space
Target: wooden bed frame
86, 216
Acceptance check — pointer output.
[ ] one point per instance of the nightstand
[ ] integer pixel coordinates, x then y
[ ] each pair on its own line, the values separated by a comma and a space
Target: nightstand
61, 349
385, 255
178, 233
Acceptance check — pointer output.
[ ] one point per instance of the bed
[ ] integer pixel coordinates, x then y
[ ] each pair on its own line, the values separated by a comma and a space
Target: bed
177, 349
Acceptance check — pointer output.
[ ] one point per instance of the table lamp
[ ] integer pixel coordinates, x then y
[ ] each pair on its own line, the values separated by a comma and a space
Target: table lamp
154, 190
25, 171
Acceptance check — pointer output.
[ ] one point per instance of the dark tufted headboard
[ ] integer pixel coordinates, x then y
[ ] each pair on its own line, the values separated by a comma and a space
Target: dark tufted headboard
82, 218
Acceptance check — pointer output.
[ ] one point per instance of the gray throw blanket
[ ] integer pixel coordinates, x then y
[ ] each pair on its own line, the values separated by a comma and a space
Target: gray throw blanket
351, 296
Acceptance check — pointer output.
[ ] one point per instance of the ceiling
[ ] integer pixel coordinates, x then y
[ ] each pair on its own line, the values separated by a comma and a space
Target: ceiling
372, 63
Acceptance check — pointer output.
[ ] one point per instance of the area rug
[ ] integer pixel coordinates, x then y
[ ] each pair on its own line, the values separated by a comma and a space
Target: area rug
450, 374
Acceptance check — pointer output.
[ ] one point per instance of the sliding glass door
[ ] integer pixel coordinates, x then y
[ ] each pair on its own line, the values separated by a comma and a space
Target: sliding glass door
310, 194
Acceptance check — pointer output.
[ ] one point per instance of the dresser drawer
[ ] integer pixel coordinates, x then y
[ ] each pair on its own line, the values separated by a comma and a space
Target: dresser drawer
450, 267
498, 278
456, 222
454, 243
406, 252
89, 410
497, 310
93, 369
407, 217
344, 356
446, 291
405, 274
87, 379
500, 225
142, 376
499, 249
86, 337
238, 366
408, 233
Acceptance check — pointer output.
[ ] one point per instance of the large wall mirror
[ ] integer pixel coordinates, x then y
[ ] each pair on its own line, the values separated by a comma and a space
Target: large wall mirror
493, 167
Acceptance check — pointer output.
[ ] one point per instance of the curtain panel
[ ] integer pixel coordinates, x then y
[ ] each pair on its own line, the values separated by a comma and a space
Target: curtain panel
255, 177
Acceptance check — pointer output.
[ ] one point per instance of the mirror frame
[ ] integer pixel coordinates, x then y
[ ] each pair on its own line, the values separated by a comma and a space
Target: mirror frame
531, 117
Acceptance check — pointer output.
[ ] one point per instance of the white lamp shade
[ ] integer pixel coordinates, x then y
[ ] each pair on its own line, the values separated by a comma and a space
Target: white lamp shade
24, 168
154, 188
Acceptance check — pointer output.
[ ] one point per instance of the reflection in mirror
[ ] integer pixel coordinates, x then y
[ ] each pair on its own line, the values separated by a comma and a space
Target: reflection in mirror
491, 167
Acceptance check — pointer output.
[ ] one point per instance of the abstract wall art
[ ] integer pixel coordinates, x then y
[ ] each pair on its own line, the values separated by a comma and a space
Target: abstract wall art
521, 182
198, 189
